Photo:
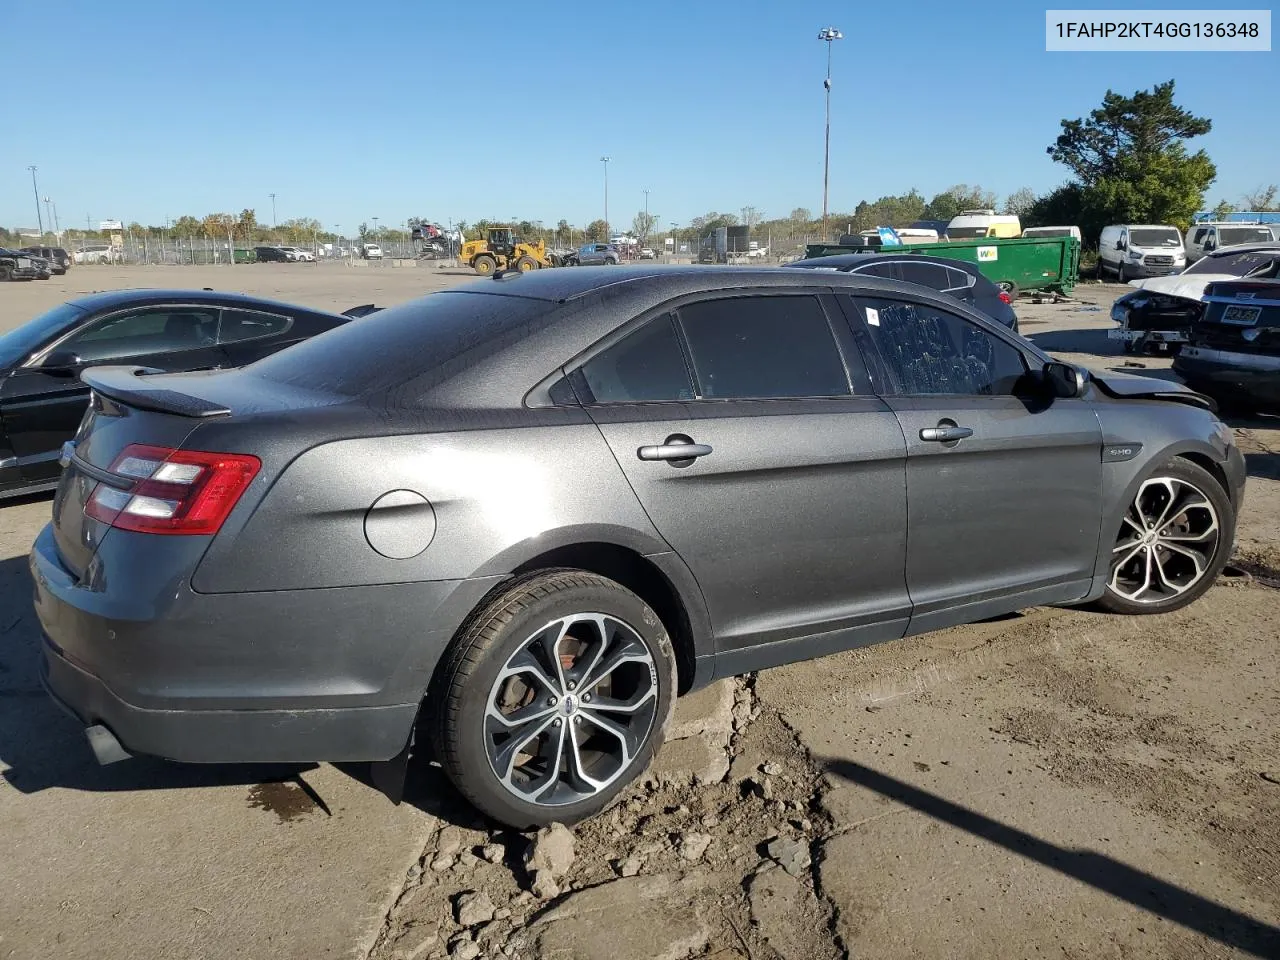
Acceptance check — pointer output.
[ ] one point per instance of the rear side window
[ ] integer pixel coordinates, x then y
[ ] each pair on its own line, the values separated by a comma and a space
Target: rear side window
959, 283
930, 275
888, 270
764, 347
249, 324
146, 331
645, 366
932, 352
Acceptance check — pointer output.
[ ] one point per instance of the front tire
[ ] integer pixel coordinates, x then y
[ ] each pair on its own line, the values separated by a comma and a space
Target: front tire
1121, 277
554, 697
484, 265
1174, 540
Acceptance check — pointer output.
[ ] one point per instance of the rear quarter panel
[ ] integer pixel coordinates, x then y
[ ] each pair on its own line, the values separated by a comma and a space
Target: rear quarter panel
498, 497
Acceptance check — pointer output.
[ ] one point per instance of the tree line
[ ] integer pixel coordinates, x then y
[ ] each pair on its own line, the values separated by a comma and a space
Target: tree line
1129, 162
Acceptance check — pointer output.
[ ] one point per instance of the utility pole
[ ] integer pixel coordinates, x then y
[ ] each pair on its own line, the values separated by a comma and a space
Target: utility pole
829, 35
273, 210
605, 161
36, 191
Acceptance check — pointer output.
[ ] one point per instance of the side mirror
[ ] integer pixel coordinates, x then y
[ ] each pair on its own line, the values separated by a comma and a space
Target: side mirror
62, 362
1064, 380
1120, 244
1210, 245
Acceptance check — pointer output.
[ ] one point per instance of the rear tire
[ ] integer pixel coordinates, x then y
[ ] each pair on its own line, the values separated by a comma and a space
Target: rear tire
1174, 540
484, 265
540, 650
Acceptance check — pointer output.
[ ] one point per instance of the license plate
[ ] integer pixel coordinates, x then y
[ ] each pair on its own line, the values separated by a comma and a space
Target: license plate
1242, 315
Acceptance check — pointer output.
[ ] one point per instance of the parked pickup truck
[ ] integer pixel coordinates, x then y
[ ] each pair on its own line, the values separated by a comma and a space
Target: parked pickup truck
1041, 263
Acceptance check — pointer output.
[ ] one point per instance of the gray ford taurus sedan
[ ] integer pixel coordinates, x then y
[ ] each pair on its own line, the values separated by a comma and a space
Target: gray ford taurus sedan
520, 516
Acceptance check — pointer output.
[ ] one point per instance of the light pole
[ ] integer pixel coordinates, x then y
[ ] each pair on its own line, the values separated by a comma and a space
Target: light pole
673, 238
829, 35
605, 161
645, 191
35, 190
273, 211
375, 229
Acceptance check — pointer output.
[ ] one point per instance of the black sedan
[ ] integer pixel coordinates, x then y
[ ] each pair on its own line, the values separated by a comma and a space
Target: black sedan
953, 277
42, 399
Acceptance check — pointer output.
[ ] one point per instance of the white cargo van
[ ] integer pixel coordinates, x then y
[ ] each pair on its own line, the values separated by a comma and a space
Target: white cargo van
1053, 232
1131, 250
1204, 238
970, 224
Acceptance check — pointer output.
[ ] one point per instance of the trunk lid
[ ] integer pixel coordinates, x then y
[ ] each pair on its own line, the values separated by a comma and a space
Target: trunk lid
123, 409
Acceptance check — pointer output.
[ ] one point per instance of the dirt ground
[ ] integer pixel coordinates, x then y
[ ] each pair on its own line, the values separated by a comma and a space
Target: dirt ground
1058, 783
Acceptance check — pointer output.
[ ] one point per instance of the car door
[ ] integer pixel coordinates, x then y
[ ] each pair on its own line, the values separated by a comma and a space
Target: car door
249, 335
1003, 484
44, 400
791, 506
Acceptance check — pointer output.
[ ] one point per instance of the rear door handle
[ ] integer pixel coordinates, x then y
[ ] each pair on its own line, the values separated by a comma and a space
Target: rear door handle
945, 434
674, 451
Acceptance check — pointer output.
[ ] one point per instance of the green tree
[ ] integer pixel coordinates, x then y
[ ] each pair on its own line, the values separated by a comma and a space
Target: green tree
1144, 126
1130, 158
951, 201
595, 231
186, 226
1058, 208
1224, 209
247, 224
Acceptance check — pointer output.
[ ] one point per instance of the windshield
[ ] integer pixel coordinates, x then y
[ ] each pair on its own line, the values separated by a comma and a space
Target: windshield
1229, 236
17, 345
962, 233
1155, 238
1258, 263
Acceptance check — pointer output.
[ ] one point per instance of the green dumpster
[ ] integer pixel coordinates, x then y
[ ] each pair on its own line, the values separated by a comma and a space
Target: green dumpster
1036, 263
245, 256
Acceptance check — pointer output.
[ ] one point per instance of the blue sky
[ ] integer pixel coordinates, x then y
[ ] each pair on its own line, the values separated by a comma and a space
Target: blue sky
394, 109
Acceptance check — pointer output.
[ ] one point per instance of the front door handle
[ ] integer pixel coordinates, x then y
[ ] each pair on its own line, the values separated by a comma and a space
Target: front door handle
674, 451
945, 434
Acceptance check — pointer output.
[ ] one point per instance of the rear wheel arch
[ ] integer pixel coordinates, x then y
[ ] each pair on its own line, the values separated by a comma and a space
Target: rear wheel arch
685, 623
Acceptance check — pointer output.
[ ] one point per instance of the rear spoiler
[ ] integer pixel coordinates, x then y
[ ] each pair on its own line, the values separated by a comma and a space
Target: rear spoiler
125, 385
361, 311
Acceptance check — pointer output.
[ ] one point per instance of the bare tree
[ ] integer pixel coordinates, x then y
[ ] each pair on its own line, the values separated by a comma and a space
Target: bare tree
1020, 201
1262, 199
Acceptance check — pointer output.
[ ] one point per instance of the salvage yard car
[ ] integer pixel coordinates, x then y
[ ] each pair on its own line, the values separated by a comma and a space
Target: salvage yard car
958, 278
15, 265
1234, 350
1160, 314
522, 514
42, 399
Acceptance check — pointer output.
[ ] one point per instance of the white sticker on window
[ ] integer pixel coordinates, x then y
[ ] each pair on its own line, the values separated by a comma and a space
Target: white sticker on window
873, 316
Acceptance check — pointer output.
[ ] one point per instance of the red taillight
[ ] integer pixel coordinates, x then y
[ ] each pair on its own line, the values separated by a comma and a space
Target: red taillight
1004, 297
172, 491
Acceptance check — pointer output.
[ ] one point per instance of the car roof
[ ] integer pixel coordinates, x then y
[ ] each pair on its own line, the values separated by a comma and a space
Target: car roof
845, 261
1262, 246
106, 299
565, 285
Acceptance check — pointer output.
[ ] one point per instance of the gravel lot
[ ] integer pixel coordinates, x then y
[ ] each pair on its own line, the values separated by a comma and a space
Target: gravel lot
1057, 783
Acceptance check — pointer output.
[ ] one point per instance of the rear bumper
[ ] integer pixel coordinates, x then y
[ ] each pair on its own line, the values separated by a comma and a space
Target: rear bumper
280, 676
227, 736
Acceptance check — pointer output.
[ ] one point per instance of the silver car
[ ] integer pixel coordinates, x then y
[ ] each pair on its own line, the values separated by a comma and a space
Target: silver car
599, 255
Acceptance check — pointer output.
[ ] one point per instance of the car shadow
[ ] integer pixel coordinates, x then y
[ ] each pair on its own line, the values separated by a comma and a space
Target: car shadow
1228, 927
1265, 466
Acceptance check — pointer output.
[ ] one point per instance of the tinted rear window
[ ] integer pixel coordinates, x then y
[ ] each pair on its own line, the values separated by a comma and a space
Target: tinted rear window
441, 332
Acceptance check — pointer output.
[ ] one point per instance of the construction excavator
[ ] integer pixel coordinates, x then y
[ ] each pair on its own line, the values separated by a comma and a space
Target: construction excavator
503, 250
